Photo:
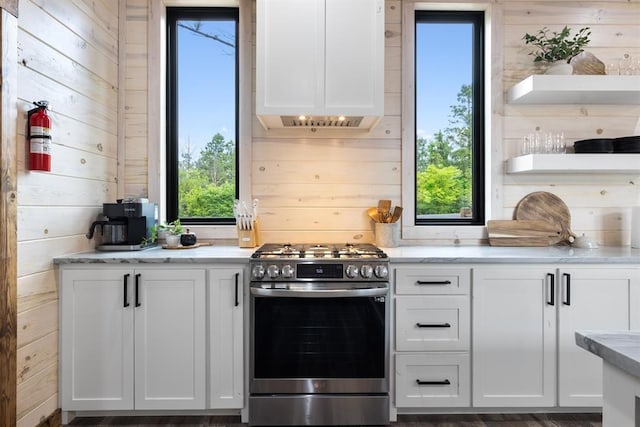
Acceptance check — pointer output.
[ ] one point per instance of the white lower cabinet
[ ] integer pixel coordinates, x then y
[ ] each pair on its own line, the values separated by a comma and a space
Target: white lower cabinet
514, 336
591, 298
226, 354
132, 338
524, 323
432, 337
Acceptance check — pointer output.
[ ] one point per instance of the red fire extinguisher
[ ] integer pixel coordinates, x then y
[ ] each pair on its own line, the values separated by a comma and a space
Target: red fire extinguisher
39, 136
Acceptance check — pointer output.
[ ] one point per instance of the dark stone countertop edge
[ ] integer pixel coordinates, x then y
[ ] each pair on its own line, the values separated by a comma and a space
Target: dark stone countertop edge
619, 348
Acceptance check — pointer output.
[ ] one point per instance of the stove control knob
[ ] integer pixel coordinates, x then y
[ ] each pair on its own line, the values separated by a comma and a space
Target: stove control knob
352, 271
287, 271
366, 271
381, 271
273, 271
258, 271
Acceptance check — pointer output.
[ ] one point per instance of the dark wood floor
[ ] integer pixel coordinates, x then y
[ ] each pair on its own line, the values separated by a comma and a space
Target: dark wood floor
470, 420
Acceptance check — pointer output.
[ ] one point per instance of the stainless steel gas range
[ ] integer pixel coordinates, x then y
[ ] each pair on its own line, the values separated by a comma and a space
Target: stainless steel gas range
319, 335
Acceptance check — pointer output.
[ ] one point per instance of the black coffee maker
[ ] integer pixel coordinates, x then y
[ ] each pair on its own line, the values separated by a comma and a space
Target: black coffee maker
127, 225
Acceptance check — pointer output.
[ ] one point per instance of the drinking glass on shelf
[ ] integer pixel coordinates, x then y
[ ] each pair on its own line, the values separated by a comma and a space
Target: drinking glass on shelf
557, 144
543, 143
626, 65
525, 148
635, 66
613, 68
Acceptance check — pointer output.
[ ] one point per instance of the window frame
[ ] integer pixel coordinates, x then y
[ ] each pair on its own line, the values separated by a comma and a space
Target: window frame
172, 156
456, 232
477, 129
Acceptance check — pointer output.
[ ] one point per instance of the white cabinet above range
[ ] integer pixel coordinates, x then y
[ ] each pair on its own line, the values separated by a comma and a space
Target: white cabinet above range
305, 69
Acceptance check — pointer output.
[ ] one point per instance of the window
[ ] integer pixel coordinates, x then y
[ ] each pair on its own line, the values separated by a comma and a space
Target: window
202, 114
449, 118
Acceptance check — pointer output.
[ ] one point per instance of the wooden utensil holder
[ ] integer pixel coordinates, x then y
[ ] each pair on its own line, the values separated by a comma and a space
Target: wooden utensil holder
248, 238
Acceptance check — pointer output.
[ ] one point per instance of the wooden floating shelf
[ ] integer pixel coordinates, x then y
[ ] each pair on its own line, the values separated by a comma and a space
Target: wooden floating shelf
575, 163
576, 89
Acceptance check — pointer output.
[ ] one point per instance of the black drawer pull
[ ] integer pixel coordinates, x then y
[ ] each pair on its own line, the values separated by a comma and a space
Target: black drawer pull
126, 282
433, 325
433, 282
443, 382
552, 291
138, 304
237, 300
567, 281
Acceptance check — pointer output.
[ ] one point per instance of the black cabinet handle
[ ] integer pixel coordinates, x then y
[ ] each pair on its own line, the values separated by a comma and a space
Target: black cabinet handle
567, 280
138, 290
552, 290
237, 300
433, 282
443, 382
433, 325
126, 282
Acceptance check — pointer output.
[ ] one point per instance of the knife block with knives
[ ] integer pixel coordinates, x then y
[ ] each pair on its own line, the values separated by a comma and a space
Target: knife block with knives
248, 237
246, 223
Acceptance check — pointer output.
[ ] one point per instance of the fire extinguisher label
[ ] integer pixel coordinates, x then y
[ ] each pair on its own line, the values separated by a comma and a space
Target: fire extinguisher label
40, 145
40, 131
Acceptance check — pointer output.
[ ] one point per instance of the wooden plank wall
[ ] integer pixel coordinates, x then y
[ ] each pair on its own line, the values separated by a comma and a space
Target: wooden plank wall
599, 204
8, 213
68, 55
317, 186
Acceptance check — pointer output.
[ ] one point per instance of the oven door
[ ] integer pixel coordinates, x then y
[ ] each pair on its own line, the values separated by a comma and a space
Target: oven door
319, 338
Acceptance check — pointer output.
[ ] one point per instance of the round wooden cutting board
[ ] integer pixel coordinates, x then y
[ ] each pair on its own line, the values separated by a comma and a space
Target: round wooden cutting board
542, 205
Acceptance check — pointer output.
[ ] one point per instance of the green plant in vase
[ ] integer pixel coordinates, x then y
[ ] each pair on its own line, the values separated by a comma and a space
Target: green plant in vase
172, 229
557, 47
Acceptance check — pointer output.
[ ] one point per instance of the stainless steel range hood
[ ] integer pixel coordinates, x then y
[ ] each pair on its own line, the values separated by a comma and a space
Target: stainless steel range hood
307, 122
323, 69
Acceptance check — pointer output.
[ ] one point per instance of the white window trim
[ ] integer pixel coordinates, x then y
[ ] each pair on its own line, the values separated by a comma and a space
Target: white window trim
492, 68
156, 116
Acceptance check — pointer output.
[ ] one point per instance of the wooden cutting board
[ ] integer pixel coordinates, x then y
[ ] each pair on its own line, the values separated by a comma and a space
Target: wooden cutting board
545, 206
197, 245
523, 233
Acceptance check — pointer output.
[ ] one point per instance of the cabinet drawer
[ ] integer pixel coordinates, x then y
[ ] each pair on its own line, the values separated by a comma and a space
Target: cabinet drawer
432, 323
432, 380
432, 281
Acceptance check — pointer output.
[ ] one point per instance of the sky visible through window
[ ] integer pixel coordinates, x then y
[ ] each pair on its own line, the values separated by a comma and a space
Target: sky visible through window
207, 91
443, 61
206, 85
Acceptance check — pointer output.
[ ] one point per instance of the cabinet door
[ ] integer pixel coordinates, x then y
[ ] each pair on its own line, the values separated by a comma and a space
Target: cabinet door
170, 338
96, 339
354, 60
289, 56
514, 336
329, 59
226, 338
590, 298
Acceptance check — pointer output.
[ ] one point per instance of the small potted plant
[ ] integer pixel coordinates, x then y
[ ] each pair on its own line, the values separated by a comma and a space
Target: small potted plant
172, 231
557, 49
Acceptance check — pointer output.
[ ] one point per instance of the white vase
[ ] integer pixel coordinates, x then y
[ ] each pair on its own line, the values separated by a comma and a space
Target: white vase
560, 68
173, 239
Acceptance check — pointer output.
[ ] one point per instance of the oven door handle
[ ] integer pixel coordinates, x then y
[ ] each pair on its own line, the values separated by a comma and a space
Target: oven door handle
320, 293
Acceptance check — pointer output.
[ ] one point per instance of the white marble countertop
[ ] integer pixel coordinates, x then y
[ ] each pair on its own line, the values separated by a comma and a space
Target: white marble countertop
619, 348
513, 255
403, 254
199, 255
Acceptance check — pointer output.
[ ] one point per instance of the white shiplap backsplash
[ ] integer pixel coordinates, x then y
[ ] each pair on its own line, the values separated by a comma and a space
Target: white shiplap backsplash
316, 186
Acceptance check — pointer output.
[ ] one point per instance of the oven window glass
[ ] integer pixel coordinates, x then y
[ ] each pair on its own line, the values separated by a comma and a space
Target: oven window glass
319, 337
